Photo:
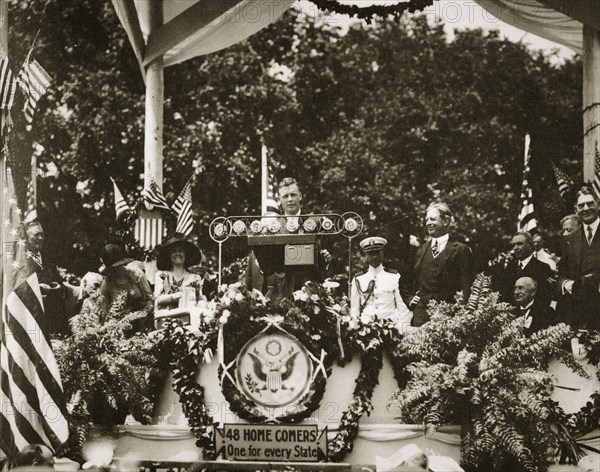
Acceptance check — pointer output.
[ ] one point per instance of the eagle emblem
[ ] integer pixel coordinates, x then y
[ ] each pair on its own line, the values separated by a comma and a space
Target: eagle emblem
273, 369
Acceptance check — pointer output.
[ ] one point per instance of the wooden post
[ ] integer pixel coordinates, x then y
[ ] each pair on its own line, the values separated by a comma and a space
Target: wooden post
153, 141
591, 99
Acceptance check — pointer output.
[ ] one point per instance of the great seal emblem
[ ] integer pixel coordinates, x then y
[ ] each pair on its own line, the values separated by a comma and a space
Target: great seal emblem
274, 370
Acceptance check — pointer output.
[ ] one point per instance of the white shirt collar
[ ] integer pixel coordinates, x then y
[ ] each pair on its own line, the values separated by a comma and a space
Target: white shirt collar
376, 270
594, 227
525, 261
528, 306
442, 240
295, 214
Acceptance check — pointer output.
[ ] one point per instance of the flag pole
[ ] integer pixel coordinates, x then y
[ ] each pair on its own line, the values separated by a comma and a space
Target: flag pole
527, 142
264, 179
3, 55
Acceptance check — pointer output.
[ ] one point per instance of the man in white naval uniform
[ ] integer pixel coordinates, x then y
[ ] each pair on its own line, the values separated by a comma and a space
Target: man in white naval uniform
375, 292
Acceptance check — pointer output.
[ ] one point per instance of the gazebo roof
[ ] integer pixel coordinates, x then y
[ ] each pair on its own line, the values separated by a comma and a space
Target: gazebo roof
193, 27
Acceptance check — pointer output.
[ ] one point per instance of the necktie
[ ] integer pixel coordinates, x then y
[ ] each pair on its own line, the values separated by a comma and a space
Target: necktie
590, 235
434, 249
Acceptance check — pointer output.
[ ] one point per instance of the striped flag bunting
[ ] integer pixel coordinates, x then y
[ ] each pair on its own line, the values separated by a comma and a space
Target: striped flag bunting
31, 212
527, 221
153, 197
565, 184
183, 209
31, 394
33, 81
596, 181
8, 85
121, 206
149, 230
269, 203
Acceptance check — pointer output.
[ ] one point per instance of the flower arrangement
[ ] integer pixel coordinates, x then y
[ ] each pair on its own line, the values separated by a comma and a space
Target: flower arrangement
244, 314
495, 384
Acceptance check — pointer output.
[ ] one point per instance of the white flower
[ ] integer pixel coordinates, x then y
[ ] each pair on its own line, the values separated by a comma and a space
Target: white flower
314, 297
326, 224
351, 225
219, 230
309, 225
414, 241
239, 227
337, 308
225, 300
353, 324
317, 310
300, 295
256, 226
238, 297
274, 226
316, 337
224, 316
291, 226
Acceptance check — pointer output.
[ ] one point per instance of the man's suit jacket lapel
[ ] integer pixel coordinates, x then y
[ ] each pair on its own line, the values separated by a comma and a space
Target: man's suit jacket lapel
421, 254
445, 255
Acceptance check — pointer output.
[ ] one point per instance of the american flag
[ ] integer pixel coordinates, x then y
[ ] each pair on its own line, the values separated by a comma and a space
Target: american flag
121, 206
596, 181
153, 197
149, 230
33, 81
268, 194
8, 85
31, 394
31, 211
565, 184
183, 209
527, 221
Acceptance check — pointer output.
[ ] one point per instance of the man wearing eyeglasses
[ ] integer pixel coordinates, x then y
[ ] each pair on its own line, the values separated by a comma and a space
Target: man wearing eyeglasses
579, 268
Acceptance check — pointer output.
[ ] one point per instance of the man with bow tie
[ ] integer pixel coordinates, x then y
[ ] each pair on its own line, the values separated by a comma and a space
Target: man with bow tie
524, 264
579, 268
535, 313
443, 265
375, 292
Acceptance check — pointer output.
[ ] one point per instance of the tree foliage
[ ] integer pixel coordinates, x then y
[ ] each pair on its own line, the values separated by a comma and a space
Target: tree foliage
378, 118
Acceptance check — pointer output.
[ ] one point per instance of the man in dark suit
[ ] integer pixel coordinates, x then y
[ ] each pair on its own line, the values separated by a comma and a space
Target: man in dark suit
59, 297
579, 267
536, 313
524, 265
282, 280
443, 265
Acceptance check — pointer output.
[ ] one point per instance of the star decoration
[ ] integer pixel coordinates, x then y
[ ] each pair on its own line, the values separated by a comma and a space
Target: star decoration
16, 264
14, 232
21, 243
12, 200
19, 212
29, 253
7, 222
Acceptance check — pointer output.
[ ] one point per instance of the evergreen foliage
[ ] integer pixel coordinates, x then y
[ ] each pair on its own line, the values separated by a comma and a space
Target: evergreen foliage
472, 365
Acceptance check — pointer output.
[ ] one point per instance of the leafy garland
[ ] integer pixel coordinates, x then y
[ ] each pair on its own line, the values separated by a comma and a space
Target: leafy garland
246, 314
395, 9
183, 348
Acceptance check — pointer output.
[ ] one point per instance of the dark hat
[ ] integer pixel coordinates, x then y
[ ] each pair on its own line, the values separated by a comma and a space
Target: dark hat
112, 256
375, 243
192, 253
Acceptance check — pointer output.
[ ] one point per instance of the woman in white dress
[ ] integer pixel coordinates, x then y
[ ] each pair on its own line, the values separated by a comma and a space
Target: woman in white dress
174, 258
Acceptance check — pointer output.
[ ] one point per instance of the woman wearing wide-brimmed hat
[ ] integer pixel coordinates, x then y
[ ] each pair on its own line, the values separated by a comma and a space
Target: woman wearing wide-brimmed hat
125, 281
175, 256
